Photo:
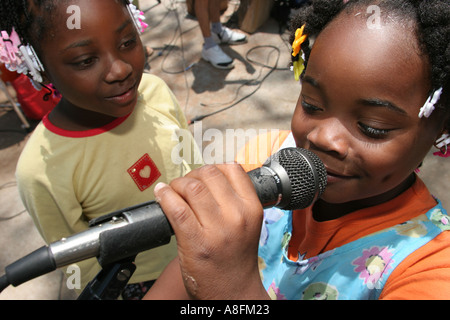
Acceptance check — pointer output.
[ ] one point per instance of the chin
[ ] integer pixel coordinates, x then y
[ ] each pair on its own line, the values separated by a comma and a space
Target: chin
125, 110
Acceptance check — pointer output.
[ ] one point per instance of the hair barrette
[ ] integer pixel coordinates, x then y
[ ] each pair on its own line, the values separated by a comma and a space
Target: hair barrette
299, 60
428, 107
20, 58
9, 49
138, 17
442, 143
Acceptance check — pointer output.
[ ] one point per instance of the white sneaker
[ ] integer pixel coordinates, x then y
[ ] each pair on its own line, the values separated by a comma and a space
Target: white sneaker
217, 58
229, 36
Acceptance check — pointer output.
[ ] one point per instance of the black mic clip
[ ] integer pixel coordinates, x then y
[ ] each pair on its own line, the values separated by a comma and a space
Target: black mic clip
115, 274
146, 223
110, 281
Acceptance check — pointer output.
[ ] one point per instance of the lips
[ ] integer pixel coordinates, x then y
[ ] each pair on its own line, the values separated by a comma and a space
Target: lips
335, 175
336, 171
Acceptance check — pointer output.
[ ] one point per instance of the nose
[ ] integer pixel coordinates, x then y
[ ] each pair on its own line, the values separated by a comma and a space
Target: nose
330, 136
118, 70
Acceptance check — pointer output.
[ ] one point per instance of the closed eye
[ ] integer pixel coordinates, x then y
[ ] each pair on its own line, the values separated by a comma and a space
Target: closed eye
309, 108
374, 133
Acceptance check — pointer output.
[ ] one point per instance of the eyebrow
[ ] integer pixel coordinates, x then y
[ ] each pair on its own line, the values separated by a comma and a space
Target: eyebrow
382, 103
311, 81
372, 102
85, 43
123, 26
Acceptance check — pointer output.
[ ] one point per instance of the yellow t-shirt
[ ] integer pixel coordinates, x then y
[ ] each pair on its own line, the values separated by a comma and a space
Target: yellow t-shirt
67, 178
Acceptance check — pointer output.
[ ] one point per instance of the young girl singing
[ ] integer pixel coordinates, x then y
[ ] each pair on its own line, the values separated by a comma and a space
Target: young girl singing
374, 101
110, 140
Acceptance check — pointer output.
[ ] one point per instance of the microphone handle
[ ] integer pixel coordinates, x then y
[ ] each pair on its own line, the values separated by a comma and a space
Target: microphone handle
110, 238
116, 236
272, 185
148, 227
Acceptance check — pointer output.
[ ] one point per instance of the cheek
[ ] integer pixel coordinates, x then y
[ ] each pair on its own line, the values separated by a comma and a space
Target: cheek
70, 83
394, 160
138, 59
79, 92
299, 128
383, 163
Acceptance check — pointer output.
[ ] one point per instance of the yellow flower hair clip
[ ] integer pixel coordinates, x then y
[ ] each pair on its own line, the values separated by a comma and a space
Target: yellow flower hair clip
299, 63
298, 67
299, 39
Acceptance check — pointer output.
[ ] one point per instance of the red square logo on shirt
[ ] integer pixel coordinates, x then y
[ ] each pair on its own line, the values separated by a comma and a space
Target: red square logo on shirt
144, 172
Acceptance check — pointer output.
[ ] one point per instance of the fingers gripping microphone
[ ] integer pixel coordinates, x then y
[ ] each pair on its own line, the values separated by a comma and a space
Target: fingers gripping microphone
291, 179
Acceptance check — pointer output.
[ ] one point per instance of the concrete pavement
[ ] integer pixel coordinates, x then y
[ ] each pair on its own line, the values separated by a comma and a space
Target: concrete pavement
260, 84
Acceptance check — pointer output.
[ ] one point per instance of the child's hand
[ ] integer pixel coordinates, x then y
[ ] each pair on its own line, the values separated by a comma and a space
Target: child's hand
216, 216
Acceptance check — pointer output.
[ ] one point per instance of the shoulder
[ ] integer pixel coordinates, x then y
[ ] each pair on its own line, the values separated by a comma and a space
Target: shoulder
258, 149
47, 154
152, 86
34, 151
157, 97
425, 274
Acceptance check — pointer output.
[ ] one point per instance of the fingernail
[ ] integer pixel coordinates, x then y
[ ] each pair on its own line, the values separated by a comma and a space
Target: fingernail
158, 187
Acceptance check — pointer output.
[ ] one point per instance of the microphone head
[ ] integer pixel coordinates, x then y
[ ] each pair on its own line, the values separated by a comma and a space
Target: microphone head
304, 179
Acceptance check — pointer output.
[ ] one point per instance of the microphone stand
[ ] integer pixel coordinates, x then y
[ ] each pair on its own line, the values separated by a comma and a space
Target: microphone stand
115, 239
115, 274
110, 281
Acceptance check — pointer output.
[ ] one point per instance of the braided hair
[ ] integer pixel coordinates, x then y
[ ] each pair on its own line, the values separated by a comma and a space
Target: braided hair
430, 18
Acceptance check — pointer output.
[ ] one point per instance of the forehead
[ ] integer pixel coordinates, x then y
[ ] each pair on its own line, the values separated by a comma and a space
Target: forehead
76, 14
84, 18
386, 61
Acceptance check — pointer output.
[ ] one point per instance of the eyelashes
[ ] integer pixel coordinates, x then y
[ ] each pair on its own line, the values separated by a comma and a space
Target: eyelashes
309, 108
84, 64
373, 132
367, 130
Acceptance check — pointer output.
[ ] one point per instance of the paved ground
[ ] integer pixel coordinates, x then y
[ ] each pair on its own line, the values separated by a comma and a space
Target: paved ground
258, 93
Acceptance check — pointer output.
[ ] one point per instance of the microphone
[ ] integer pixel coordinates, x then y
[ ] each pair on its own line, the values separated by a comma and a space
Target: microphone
292, 178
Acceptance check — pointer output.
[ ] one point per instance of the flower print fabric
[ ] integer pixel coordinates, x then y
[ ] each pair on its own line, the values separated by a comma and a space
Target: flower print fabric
357, 270
372, 265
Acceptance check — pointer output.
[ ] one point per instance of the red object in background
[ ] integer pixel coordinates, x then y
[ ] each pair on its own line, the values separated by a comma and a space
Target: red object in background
8, 76
35, 104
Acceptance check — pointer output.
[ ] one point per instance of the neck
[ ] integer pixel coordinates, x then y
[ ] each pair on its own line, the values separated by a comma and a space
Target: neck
69, 117
325, 211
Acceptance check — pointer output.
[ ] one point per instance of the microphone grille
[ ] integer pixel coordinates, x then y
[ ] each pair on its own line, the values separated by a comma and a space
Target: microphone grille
307, 175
